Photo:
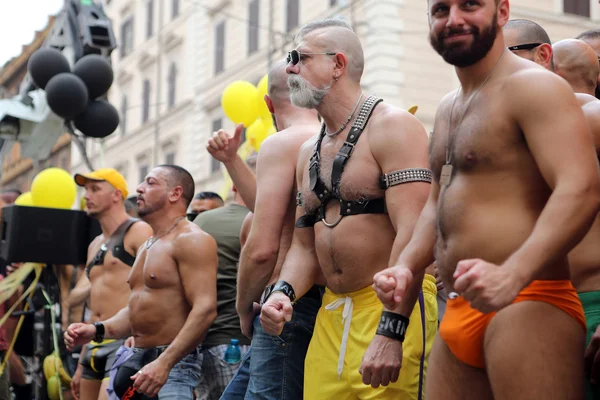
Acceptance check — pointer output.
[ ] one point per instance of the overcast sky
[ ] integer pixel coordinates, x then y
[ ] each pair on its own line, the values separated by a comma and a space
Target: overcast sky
19, 19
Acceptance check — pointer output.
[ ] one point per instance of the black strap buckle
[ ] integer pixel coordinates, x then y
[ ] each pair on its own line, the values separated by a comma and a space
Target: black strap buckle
346, 150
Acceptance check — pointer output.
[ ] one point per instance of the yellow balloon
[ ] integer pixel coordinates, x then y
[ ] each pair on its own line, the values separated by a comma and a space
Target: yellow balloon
258, 132
53, 188
263, 89
239, 102
24, 200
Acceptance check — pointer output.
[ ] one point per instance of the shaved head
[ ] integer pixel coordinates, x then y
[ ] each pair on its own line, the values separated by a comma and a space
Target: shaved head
335, 35
577, 63
525, 31
278, 88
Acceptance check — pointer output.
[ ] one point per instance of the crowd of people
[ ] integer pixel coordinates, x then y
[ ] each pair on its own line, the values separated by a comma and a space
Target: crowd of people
361, 258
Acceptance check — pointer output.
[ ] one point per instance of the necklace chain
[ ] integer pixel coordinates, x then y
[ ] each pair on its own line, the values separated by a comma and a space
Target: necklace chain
153, 240
347, 120
452, 139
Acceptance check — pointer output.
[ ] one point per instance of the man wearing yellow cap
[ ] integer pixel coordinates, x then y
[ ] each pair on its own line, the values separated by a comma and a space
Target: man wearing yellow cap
110, 257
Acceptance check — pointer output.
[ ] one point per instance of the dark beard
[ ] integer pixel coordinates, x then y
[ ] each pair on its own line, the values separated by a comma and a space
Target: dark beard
456, 54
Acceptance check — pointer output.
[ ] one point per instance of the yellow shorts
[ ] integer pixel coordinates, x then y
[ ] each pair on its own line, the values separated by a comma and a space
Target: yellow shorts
331, 374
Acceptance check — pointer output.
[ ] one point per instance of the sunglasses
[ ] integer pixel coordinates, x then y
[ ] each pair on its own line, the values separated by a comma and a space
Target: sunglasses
527, 46
295, 56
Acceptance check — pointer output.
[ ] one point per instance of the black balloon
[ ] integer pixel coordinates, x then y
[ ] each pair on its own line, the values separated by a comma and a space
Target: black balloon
44, 64
96, 73
67, 95
99, 120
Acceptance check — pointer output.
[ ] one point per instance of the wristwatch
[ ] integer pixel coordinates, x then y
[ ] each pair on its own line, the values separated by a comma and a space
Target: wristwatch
285, 288
99, 337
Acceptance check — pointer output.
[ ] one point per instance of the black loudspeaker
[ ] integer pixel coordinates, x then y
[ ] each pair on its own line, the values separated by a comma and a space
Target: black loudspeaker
46, 235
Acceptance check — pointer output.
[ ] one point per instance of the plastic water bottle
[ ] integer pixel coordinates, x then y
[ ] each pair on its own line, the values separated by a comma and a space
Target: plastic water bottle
233, 354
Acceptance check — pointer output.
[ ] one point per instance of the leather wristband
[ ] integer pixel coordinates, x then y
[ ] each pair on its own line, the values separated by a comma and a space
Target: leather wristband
285, 288
392, 325
99, 337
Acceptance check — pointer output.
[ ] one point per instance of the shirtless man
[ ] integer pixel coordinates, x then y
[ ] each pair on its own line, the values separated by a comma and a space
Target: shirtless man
520, 163
172, 301
592, 37
350, 229
270, 364
576, 62
109, 261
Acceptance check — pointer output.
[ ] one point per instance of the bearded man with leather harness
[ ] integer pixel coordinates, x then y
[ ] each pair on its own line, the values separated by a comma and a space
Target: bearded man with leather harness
110, 258
355, 342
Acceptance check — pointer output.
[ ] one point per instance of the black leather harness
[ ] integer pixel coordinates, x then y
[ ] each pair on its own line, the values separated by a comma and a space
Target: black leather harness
116, 244
347, 207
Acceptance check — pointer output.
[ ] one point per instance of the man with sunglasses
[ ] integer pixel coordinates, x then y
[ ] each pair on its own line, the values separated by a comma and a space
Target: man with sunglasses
529, 40
358, 201
274, 366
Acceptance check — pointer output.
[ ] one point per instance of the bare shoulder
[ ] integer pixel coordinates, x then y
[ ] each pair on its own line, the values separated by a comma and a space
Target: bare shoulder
288, 141
140, 230
591, 111
584, 98
592, 108
190, 239
534, 83
390, 126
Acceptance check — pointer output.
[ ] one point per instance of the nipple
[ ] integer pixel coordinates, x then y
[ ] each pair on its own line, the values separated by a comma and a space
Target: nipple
152, 276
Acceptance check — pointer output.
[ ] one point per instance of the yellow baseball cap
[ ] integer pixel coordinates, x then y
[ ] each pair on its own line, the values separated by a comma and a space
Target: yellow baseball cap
109, 175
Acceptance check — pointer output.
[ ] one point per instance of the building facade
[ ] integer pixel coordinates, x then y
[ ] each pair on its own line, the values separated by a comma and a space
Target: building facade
18, 172
208, 44
152, 89
237, 39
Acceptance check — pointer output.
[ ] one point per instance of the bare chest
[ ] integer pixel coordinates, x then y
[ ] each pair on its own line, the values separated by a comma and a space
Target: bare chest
359, 178
484, 141
154, 267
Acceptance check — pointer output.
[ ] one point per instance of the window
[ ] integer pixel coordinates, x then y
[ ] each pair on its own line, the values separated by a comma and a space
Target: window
174, 8
577, 7
332, 3
126, 37
220, 47
172, 85
170, 158
253, 22
293, 14
149, 18
146, 101
123, 121
143, 172
215, 165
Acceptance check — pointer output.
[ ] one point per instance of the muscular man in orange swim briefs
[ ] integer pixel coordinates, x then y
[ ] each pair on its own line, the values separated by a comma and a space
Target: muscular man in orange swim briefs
516, 187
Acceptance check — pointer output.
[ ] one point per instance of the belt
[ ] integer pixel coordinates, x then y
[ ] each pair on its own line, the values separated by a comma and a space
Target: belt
315, 292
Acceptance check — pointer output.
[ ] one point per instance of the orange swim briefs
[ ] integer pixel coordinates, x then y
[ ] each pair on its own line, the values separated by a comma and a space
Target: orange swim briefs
463, 328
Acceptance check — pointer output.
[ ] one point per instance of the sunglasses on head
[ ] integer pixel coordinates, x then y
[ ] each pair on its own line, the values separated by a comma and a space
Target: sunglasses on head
295, 56
527, 46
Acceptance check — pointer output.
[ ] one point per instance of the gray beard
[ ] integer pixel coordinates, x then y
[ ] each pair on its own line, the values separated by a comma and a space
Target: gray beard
305, 95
